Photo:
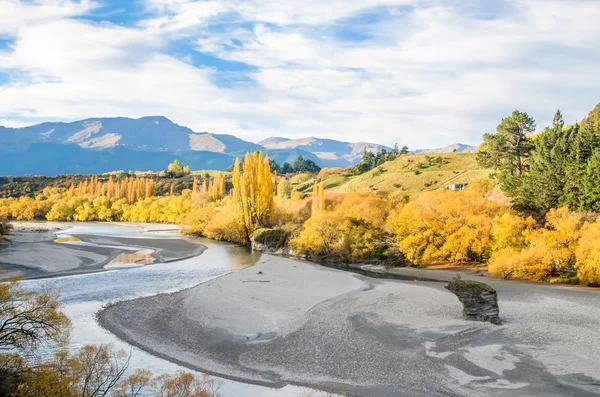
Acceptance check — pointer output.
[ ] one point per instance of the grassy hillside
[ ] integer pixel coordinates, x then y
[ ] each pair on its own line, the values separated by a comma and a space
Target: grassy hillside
412, 174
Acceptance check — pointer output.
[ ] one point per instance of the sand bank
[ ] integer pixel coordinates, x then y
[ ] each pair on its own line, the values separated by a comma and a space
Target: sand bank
283, 321
29, 251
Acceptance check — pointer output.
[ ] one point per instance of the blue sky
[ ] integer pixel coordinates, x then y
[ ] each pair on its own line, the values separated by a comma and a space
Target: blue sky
422, 73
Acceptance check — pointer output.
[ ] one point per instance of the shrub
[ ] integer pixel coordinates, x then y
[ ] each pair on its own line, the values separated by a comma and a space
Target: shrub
444, 226
548, 253
224, 226
353, 231
588, 255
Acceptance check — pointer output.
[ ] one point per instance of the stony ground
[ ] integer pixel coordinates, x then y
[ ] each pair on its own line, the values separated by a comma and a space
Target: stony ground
284, 321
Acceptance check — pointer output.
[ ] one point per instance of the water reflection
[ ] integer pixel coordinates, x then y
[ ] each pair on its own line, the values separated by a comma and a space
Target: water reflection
86, 294
139, 258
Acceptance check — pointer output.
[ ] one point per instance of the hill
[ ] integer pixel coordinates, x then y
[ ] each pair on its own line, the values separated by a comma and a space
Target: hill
454, 148
411, 174
331, 153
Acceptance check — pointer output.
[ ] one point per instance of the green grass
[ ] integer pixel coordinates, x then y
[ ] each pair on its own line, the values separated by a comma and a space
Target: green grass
335, 181
413, 174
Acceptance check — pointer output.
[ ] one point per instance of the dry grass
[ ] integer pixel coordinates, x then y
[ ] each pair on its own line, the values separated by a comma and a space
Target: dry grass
414, 174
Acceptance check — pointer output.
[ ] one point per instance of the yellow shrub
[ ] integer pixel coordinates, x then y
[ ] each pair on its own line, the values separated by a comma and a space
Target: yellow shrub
327, 172
445, 226
588, 255
515, 263
352, 232
300, 178
194, 222
509, 231
224, 225
549, 252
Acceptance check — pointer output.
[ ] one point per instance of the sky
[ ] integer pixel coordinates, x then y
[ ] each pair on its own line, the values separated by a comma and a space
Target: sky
420, 73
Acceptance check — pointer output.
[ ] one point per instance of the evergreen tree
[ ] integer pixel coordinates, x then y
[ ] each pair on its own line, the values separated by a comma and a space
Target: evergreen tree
583, 142
508, 151
544, 186
590, 199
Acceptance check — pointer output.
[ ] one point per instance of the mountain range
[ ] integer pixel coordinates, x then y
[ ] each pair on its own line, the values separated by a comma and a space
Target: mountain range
149, 143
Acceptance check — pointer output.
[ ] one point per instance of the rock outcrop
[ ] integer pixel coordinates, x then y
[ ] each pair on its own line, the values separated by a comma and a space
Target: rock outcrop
480, 301
271, 240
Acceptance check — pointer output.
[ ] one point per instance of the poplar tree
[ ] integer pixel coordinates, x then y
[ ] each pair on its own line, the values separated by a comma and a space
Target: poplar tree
253, 192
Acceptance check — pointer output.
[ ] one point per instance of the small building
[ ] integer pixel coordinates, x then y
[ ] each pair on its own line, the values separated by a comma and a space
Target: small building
457, 187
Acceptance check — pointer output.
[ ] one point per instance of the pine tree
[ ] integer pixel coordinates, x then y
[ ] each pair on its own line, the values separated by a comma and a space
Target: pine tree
583, 142
544, 186
508, 151
590, 199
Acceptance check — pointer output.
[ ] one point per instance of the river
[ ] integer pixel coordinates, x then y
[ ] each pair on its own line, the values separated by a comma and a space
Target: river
84, 295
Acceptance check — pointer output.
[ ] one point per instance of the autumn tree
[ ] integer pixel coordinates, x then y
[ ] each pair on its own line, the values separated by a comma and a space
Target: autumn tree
353, 231
318, 198
253, 192
216, 187
176, 169
588, 255
30, 319
445, 226
549, 252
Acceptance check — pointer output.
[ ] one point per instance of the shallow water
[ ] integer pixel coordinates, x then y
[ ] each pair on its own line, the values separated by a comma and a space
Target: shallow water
83, 295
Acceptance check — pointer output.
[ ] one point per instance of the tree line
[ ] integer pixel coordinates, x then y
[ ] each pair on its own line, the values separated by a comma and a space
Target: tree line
371, 160
558, 167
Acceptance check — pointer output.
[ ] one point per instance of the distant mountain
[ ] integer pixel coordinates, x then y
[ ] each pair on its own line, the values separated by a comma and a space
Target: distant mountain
98, 145
332, 153
155, 133
457, 147
55, 158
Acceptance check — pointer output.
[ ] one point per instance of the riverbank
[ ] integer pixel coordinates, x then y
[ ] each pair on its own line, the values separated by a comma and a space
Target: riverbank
290, 322
30, 250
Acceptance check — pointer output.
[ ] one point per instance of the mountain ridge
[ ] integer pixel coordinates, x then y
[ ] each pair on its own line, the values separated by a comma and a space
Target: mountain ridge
154, 135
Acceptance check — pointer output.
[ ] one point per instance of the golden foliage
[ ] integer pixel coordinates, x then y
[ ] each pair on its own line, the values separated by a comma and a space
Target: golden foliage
253, 192
548, 252
329, 172
224, 225
353, 231
318, 198
588, 254
445, 226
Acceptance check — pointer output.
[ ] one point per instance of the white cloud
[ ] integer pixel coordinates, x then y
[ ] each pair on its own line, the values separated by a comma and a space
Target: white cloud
431, 75
16, 14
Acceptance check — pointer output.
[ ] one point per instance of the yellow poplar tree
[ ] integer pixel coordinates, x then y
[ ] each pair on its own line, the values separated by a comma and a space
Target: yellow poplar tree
318, 198
253, 191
